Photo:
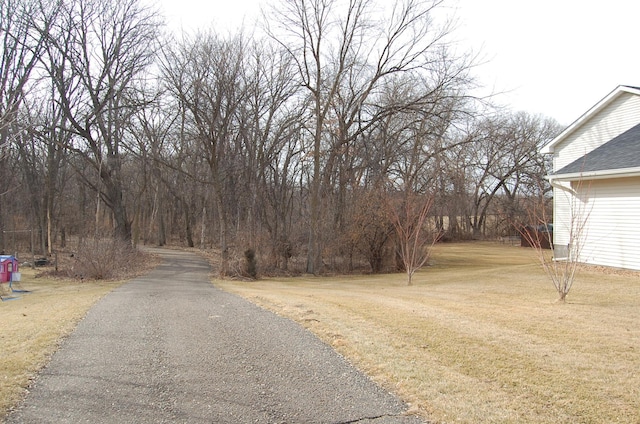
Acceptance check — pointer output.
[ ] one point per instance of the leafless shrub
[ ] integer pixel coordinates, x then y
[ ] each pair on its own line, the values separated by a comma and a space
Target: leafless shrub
414, 238
560, 262
104, 259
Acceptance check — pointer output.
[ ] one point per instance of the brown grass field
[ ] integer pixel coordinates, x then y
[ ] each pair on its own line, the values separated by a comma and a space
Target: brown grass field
478, 338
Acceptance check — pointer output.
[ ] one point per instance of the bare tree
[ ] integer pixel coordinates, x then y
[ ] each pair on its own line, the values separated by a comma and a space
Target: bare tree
504, 158
42, 158
345, 54
414, 237
97, 50
207, 77
20, 49
270, 149
560, 262
161, 155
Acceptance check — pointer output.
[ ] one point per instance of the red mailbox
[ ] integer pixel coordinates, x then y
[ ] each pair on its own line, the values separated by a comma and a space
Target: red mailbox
8, 265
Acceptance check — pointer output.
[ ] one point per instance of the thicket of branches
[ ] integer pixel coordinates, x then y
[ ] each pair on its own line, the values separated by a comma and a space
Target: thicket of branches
284, 144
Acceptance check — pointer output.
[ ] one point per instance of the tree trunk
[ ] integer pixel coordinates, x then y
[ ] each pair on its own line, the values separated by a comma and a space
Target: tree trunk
122, 229
314, 252
203, 228
224, 247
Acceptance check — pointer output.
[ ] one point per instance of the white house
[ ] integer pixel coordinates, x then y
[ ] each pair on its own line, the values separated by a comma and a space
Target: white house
596, 183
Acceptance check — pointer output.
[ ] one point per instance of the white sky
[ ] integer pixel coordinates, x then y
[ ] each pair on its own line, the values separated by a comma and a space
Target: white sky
554, 57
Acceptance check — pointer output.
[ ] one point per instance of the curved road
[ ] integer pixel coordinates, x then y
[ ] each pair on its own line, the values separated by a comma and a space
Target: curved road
171, 348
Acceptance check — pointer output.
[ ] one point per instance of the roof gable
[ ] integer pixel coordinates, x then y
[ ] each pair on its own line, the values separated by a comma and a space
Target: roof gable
621, 152
612, 96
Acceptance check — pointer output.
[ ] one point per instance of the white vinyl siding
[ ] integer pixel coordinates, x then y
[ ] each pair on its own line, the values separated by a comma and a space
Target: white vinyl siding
614, 119
612, 235
561, 220
609, 208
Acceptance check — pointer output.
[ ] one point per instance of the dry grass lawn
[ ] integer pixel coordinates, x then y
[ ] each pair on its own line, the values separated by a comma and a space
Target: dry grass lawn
479, 336
33, 325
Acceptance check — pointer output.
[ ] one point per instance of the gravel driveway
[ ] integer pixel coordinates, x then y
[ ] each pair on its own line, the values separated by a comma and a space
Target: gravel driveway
171, 348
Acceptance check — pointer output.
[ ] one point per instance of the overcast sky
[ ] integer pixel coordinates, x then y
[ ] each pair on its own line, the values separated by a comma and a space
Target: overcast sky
554, 57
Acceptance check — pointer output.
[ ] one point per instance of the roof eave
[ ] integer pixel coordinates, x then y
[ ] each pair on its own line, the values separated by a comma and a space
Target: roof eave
549, 148
596, 175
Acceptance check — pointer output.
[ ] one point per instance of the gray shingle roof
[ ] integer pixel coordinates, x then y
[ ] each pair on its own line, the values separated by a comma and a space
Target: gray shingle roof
620, 152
